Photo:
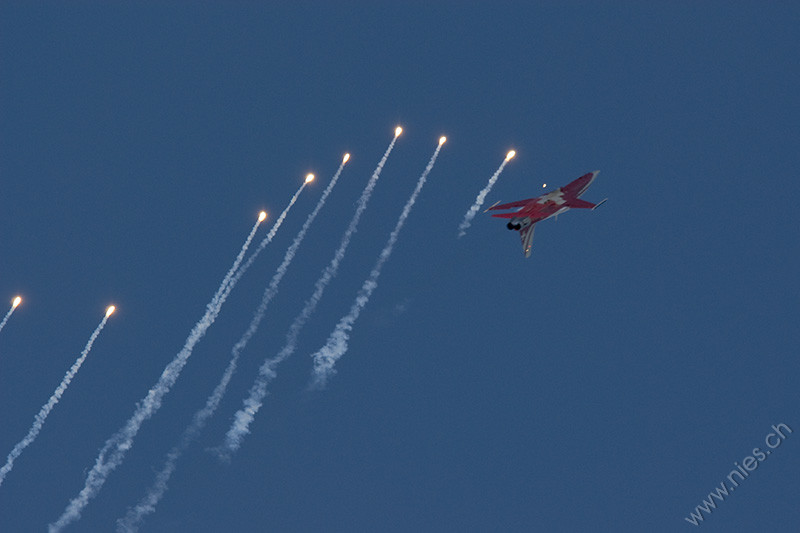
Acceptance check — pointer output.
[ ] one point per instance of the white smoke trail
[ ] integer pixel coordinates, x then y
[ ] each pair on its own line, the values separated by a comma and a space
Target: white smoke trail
5, 318
14, 306
147, 504
472, 211
113, 452
336, 346
41, 416
244, 416
268, 239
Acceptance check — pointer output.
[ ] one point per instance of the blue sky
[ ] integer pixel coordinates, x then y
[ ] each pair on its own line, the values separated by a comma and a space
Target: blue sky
608, 383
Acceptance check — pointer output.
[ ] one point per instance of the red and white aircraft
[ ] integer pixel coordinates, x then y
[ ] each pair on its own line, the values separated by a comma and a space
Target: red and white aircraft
548, 205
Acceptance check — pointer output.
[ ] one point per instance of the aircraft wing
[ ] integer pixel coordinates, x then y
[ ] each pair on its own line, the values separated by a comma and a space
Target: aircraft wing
577, 203
512, 205
526, 236
512, 214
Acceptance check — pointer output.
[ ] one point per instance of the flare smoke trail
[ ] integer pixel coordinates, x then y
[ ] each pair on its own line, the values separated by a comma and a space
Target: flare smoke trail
233, 276
14, 306
113, 452
147, 504
465, 224
244, 416
41, 416
336, 346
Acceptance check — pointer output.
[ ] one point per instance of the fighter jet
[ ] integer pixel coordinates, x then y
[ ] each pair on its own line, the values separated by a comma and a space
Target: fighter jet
548, 205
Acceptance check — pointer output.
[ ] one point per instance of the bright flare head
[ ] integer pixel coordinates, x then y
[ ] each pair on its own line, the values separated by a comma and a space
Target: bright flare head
544, 185
346, 158
442, 140
397, 131
262, 216
110, 310
510, 155
16, 302
309, 178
